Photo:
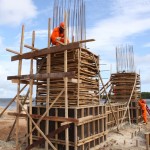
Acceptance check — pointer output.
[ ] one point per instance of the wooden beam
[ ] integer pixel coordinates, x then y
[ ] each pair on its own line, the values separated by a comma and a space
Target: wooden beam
31, 88
51, 118
35, 126
74, 80
22, 81
41, 64
12, 100
31, 47
43, 76
45, 51
52, 134
38, 122
48, 70
18, 88
89, 40
66, 82
12, 51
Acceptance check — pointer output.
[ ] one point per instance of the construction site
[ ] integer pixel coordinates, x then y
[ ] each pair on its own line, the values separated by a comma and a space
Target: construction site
73, 108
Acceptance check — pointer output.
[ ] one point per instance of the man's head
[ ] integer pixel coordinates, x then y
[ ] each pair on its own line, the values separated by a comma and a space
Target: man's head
61, 27
143, 101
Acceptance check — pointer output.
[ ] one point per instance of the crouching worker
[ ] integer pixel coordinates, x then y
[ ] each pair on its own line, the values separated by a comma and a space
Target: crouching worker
142, 103
58, 34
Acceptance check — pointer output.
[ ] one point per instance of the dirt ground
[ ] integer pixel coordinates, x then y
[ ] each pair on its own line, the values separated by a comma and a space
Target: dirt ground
122, 140
6, 123
127, 138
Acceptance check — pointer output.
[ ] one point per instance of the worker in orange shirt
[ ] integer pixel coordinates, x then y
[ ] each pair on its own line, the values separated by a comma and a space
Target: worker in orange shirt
58, 34
142, 103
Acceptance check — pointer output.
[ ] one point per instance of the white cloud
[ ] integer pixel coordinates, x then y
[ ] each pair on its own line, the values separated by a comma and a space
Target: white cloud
16, 11
127, 20
8, 68
38, 33
147, 45
142, 63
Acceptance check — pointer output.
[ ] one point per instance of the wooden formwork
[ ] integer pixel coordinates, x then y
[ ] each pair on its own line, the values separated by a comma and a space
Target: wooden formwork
122, 85
135, 112
89, 132
118, 109
82, 89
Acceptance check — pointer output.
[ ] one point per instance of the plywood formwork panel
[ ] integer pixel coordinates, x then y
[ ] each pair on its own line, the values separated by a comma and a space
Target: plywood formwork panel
90, 131
135, 112
119, 109
122, 85
82, 89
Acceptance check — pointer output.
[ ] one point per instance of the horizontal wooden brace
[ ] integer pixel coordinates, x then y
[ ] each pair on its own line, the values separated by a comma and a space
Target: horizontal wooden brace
52, 134
51, 118
12, 51
45, 51
30, 47
89, 40
44, 76
22, 81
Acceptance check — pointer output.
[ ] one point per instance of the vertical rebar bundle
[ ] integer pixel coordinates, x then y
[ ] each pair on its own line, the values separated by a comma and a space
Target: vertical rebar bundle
125, 59
76, 17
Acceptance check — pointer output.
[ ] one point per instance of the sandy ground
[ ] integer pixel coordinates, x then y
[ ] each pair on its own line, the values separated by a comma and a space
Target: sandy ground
6, 123
115, 141
127, 138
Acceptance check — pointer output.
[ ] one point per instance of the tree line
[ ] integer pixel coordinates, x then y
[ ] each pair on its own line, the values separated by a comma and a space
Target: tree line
145, 95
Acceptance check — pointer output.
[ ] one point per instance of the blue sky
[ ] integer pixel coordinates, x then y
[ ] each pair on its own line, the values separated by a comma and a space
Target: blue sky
109, 22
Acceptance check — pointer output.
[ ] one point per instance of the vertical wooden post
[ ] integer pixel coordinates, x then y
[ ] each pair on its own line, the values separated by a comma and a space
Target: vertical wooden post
48, 66
98, 81
18, 87
75, 130
137, 143
79, 56
82, 126
129, 115
147, 136
66, 83
56, 127
117, 117
31, 89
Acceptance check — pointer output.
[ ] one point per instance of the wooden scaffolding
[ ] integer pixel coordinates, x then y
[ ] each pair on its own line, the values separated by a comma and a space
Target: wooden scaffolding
67, 114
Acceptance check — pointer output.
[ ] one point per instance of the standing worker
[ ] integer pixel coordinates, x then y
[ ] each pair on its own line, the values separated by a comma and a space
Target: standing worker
58, 34
142, 103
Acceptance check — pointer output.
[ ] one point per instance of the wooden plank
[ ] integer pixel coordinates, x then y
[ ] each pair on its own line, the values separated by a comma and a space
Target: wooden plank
48, 69
12, 51
43, 76
22, 81
42, 116
31, 88
89, 40
52, 134
45, 51
79, 65
35, 126
75, 131
66, 82
31, 47
18, 88
51, 118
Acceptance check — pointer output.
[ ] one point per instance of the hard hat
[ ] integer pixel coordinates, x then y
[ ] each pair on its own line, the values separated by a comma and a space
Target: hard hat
62, 25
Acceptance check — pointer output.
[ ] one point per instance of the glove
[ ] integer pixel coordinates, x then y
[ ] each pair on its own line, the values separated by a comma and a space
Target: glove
58, 38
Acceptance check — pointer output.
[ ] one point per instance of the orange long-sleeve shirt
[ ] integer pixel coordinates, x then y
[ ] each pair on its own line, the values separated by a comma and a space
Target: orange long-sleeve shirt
143, 105
144, 111
55, 34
